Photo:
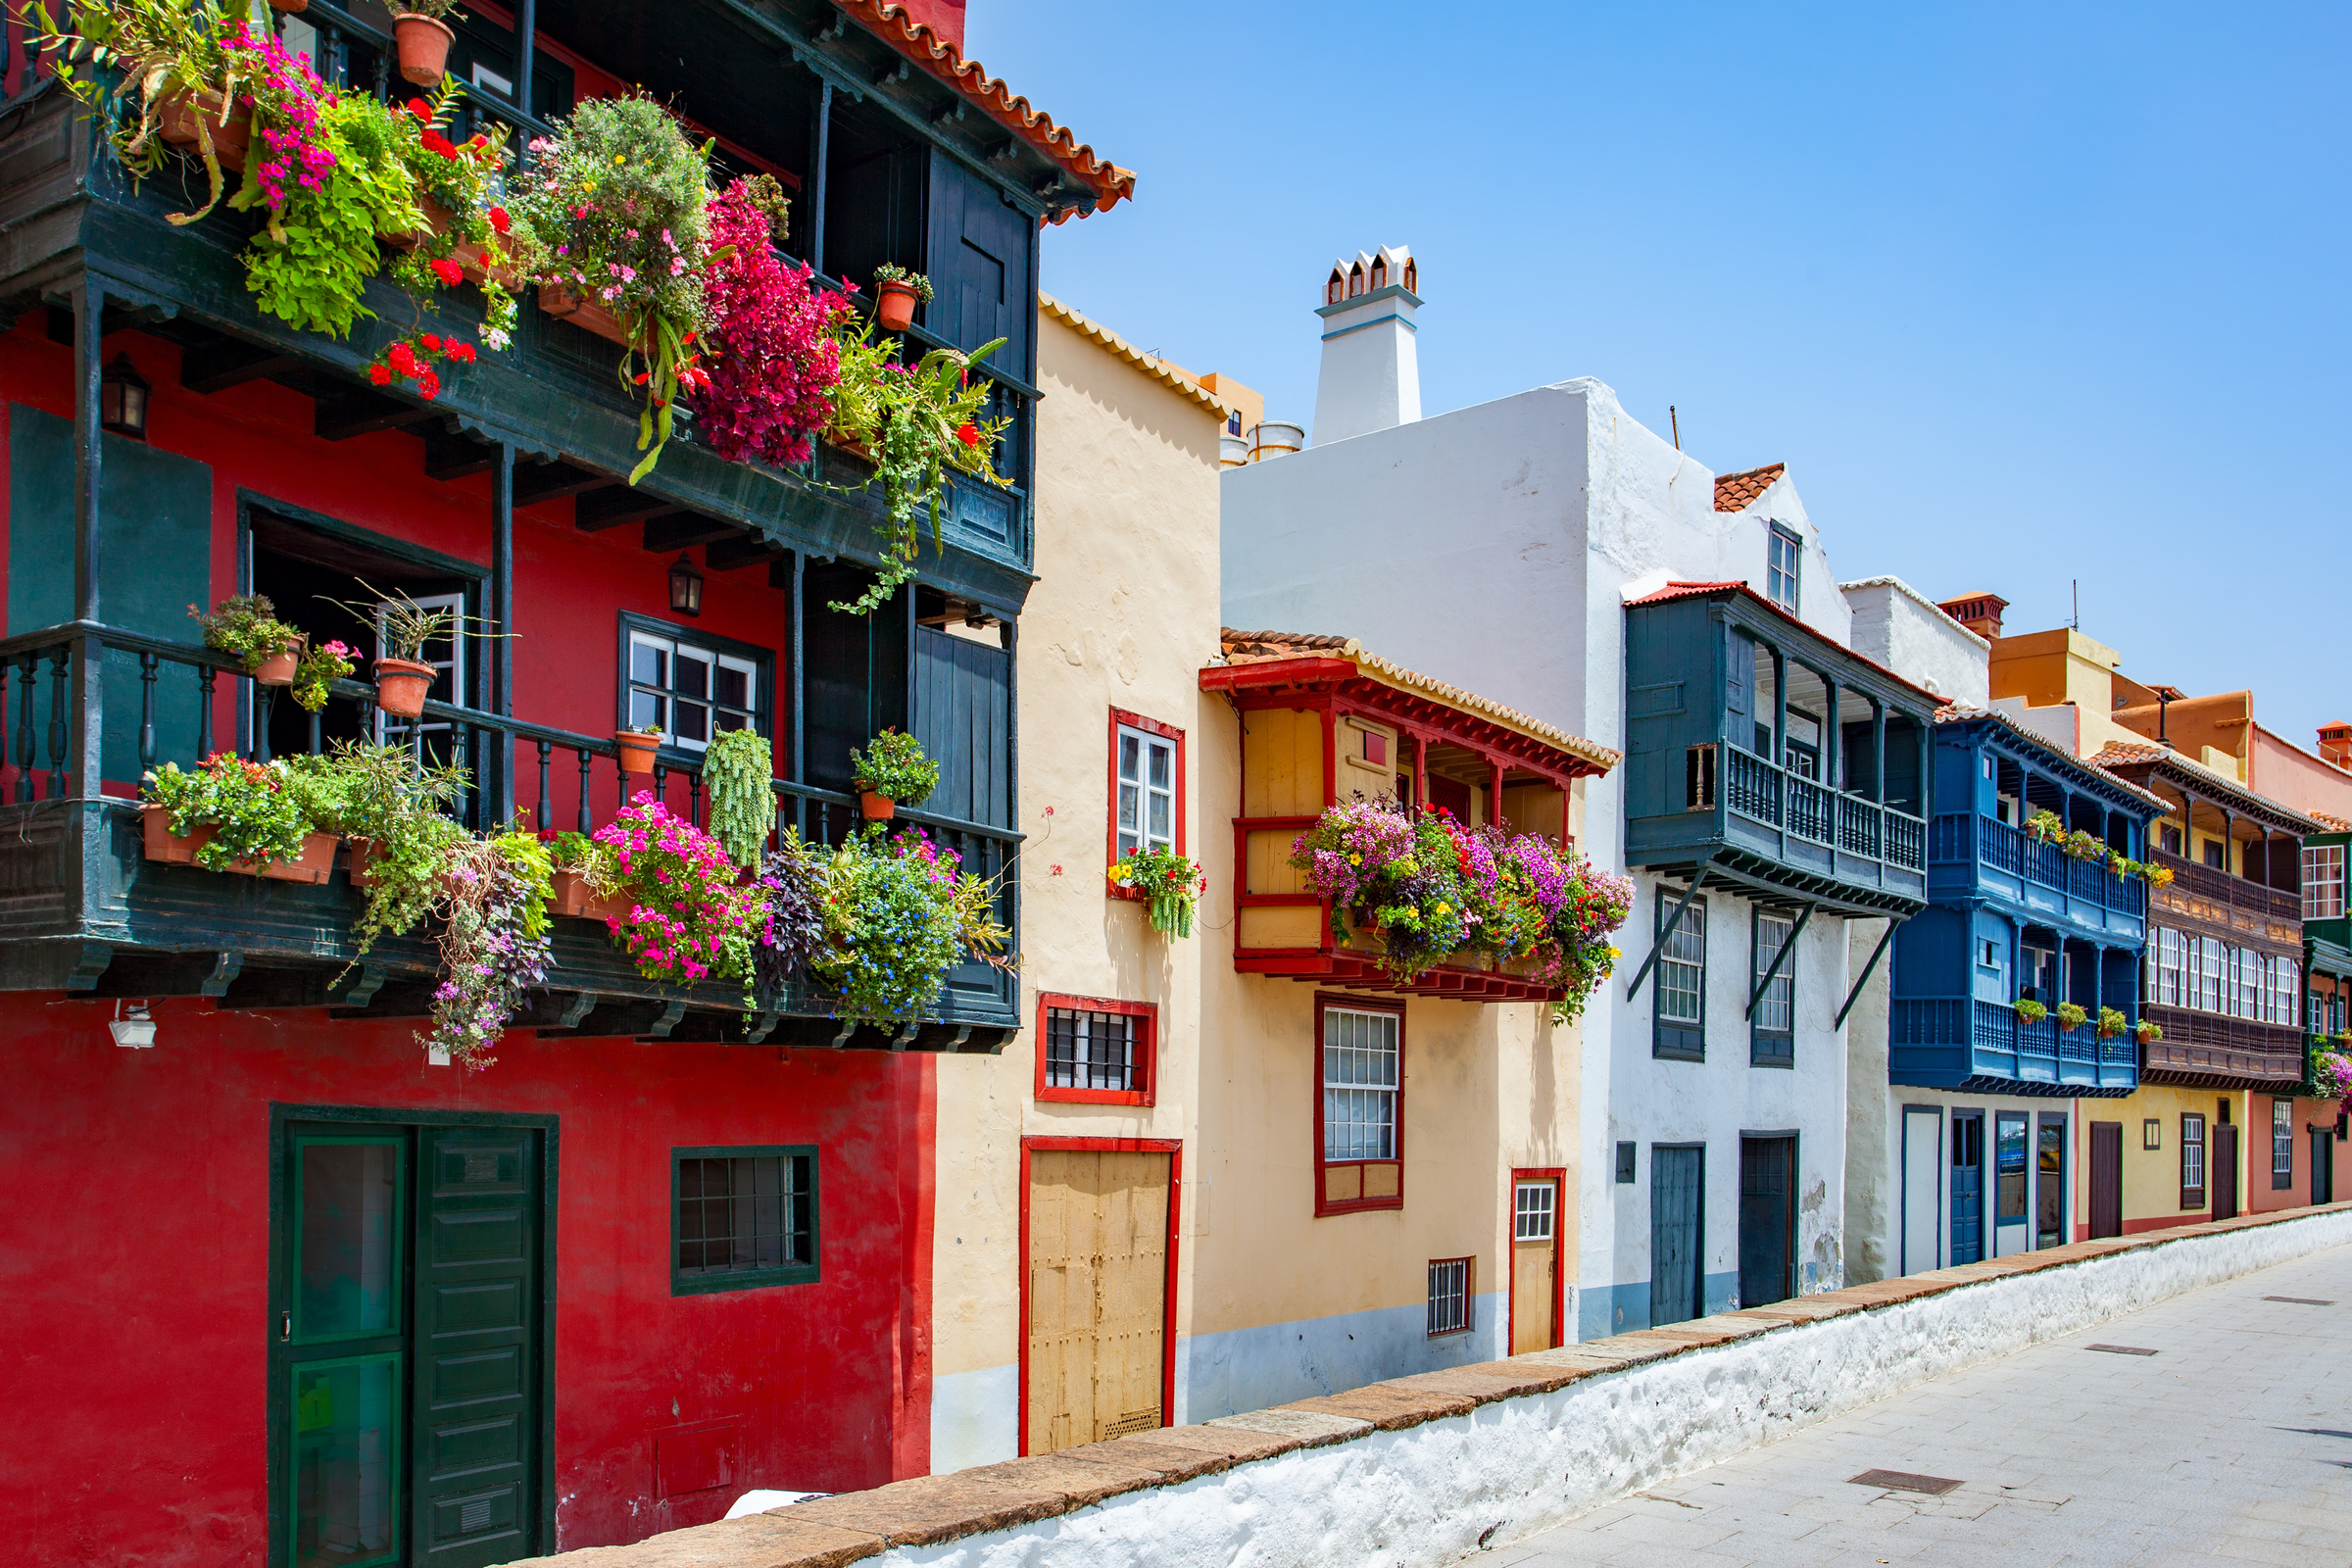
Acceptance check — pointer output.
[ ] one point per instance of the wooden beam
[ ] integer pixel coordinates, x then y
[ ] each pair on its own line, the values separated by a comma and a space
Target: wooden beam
611, 506
1698, 878
349, 413
1862, 979
166, 974
551, 481
256, 990
209, 367
685, 531
399, 999
743, 549
1778, 959
455, 457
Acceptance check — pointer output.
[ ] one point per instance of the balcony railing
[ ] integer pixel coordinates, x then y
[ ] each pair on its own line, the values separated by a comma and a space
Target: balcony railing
2206, 1047
1764, 792
2016, 852
1999, 1028
2239, 894
578, 778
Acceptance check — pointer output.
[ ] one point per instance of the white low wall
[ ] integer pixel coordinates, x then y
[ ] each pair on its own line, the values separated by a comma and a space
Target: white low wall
1426, 1493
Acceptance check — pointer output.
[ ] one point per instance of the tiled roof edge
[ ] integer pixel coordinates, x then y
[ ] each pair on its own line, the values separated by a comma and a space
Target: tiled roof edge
1158, 369
1909, 592
1964, 712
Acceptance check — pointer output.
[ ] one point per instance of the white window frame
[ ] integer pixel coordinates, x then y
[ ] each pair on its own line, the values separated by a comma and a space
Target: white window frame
1783, 566
1682, 970
1535, 1211
1362, 1078
1776, 1009
1139, 793
2322, 881
2282, 1142
2192, 1152
677, 647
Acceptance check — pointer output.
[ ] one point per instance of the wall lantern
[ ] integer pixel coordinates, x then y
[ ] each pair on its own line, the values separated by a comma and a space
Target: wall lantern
685, 586
132, 1028
122, 400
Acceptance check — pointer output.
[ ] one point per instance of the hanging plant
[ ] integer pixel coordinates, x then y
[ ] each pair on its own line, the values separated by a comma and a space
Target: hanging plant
2071, 1017
246, 627
792, 879
2112, 1023
321, 666
686, 918
380, 798
738, 771
2030, 1010
896, 293
773, 362
1170, 885
465, 235
898, 913
492, 902
2148, 1031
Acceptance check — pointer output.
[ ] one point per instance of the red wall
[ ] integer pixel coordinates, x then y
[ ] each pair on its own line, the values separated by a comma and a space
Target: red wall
134, 1264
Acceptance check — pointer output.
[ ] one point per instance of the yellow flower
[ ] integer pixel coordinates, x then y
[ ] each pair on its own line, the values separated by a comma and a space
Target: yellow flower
1614, 954
619, 159
1444, 908
1355, 859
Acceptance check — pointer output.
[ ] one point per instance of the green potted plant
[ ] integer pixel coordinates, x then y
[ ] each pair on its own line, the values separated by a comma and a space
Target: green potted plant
2148, 1031
738, 771
404, 628
233, 815
892, 772
2112, 1023
246, 627
1168, 883
317, 669
421, 34
2071, 1017
586, 876
2029, 1010
898, 913
897, 292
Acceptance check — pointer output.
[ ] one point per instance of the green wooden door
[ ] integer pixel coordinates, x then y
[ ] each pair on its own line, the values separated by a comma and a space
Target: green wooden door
406, 1372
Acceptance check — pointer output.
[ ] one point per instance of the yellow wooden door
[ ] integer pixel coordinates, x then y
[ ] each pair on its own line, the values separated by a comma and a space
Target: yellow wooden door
1535, 1264
1097, 1295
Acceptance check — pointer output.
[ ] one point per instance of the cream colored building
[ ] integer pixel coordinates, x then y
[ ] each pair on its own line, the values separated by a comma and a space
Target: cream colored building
1137, 1216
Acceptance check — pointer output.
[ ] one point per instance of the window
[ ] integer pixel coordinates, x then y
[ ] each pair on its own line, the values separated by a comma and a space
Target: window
690, 689
1449, 1296
2282, 1145
1988, 953
2151, 1133
2192, 1161
1772, 1026
2216, 854
2322, 881
2206, 956
1625, 1162
1095, 1050
1533, 1211
2246, 981
2009, 1167
742, 1217
2039, 980
2282, 991
1147, 767
1360, 1061
2168, 969
1232, 423
1786, 554
1679, 1029
2168, 839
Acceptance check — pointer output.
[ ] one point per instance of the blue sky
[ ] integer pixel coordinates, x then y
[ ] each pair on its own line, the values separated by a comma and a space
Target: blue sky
2023, 295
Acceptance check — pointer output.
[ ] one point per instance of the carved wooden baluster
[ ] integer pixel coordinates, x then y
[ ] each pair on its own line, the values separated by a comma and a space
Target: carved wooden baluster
147, 668
28, 667
204, 712
261, 723
543, 818
60, 733
694, 798
317, 739
661, 783
586, 758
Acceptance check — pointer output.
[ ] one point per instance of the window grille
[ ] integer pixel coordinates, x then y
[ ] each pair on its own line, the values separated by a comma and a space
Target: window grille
1533, 1211
1147, 790
2322, 881
1448, 1295
1359, 1085
744, 1217
1088, 1050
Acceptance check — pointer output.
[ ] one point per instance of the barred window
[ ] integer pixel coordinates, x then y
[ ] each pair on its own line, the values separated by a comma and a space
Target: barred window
743, 1217
1534, 1211
1087, 1050
1448, 1295
1774, 1021
2322, 881
1360, 1083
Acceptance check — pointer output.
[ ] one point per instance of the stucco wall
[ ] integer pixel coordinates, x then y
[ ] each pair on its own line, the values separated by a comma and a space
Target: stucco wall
1894, 624
2294, 777
1124, 616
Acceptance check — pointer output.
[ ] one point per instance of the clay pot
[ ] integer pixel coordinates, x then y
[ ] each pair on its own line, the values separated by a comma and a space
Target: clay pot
588, 315
894, 307
279, 669
401, 685
636, 749
161, 845
423, 45
176, 116
877, 807
570, 895
289, 6
362, 854
315, 865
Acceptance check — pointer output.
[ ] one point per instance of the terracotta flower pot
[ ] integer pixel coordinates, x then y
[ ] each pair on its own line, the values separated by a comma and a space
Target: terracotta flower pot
475, 259
636, 749
316, 863
894, 307
571, 895
584, 313
877, 807
423, 45
289, 6
401, 685
279, 669
176, 121
162, 843
362, 855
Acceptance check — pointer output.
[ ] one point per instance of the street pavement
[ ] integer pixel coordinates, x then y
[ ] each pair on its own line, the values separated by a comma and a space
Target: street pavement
2231, 1444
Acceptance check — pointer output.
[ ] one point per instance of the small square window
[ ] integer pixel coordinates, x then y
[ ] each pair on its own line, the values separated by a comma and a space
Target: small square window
1626, 1156
1533, 1211
1093, 1049
2151, 1133
742, 1217
1448, 1295
1988, 953
1147, 790
1783, 567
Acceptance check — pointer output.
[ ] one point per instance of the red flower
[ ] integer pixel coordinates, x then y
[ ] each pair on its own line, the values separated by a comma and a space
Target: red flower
448, 272
431, 342
420, 109
380, 375
499, 220
968, 434
429, 387
402, 359
461, 352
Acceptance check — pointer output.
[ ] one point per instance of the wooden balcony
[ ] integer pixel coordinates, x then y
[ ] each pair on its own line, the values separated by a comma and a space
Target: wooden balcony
2205, 1050
1982, 856
2212, 901
1983, 1046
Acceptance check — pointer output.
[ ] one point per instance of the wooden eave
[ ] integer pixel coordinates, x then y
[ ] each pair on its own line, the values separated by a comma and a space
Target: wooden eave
1349, 971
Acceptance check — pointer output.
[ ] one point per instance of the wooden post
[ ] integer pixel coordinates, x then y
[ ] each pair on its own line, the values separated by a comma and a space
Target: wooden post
795, 685
820, 138
501, 603
1833, 744
1780, 706
1495, 793
526, 34
89, 656
1878, 751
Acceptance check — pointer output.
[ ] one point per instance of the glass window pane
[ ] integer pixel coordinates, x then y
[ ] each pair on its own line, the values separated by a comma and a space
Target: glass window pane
648, 711
649, 663
1131, 756
346, 1446
1130, 808
350, 1196
692, 724
1163, 827
693, 677
1163, 764
732, 685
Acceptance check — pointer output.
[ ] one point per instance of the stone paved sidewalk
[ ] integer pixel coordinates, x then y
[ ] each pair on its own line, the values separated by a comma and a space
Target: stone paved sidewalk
2233, 1442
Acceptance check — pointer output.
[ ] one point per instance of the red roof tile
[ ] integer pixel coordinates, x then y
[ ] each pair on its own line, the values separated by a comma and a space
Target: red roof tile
1734, 491
1682, 590
889, 21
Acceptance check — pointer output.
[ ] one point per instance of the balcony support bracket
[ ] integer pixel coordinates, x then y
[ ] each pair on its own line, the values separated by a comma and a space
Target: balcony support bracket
224, 970
1780, 958
1698, 879
1863, 979
88, 965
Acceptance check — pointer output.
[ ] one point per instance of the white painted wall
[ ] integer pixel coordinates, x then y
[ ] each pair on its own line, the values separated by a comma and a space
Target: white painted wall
1371, 376
1897, 625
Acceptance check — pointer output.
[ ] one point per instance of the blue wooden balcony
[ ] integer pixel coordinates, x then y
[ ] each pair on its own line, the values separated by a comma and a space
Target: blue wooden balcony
1983, 1046
1982, 856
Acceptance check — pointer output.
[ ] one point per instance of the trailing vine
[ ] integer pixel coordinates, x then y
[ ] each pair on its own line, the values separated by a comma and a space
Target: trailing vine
743, 801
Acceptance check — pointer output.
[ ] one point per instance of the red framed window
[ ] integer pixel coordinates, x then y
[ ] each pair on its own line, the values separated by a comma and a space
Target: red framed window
1096, 1050
1452, 1282
1359, 1104
1146, 790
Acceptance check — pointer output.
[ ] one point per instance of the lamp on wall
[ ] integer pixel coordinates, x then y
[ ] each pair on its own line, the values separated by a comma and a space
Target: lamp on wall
122, 400
132, 1029
685, 586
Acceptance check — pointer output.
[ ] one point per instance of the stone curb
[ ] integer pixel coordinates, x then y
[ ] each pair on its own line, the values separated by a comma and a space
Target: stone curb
828, 1531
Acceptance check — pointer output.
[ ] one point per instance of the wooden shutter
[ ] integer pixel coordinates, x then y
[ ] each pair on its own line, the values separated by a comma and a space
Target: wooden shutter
2221, 1175
1677, 1231
2106, 1178
1097, 1295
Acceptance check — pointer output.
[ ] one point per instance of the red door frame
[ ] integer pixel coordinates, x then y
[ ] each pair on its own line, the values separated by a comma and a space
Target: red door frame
1173, 1148
1557, 1175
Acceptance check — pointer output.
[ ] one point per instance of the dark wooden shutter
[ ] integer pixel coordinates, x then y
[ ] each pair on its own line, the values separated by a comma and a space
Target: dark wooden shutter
963, 717
1677, 1231
2221, 1174
1968, 1187
2106, 1178
1767, 1220
478, 1421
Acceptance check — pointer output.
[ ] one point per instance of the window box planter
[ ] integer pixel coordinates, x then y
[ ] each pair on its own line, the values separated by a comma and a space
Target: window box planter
573, 896
176, 121
473, 259
362, 856
314, 864
584, 313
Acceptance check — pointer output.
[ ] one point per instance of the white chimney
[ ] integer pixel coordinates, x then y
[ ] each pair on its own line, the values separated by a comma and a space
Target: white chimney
1371, 376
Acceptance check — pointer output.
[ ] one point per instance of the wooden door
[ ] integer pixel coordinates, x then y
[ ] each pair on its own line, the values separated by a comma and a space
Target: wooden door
1097, 1295
1676, 1231
1535, 1264
2322, 1165
1968, 1187
2106, 1178
1923, 1190
2224, 1174
1768, 1218
2051, 1179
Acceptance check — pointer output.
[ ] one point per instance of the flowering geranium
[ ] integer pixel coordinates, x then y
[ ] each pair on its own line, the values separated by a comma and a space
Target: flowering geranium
254, 817
454, 181
321, 664
419, 357
774, 363
1170, 885
688, 919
